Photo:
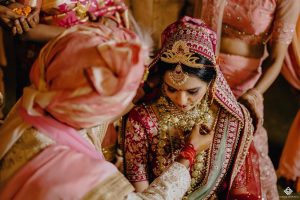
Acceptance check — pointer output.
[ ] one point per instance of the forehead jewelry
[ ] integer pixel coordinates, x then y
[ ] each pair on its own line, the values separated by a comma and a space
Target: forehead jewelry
178, 76
180, 53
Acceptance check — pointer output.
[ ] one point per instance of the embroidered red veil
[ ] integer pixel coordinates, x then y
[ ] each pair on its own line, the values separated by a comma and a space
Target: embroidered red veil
233, 171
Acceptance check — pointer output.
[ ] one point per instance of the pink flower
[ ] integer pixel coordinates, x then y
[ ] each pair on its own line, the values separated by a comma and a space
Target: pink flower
64, 8
69, 20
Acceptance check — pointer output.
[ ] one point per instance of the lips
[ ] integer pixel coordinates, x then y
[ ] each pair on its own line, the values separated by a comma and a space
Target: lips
183, 107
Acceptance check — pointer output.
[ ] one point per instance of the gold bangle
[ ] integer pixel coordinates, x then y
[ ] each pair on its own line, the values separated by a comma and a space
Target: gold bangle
109, 152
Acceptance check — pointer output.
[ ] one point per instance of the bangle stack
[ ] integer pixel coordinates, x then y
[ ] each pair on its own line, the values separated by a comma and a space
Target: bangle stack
189, 152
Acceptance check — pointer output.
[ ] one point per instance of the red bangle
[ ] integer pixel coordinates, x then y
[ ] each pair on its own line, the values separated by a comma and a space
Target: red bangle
188, 152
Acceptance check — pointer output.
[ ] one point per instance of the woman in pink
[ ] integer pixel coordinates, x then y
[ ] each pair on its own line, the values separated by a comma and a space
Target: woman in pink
51, 141
255, 35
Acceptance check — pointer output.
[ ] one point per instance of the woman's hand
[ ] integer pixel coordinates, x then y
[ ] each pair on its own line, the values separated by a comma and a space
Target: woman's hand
34, 17
24, 23
20, 24
253, 101
8, 18
200, 142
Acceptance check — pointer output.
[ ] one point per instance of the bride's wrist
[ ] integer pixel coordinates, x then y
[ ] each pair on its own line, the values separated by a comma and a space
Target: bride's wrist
184, 162
187, 155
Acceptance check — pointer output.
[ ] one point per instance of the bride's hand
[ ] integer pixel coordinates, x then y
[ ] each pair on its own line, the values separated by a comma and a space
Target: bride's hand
200, 142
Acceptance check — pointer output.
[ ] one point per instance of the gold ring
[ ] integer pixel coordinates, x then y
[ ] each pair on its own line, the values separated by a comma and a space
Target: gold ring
26, 26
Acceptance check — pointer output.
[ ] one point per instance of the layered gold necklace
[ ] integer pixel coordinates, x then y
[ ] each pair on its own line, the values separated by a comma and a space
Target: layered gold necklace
183, 122
198, 172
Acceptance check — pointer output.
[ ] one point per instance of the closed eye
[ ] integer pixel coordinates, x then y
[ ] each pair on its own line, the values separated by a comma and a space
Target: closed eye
171, 89
193, 91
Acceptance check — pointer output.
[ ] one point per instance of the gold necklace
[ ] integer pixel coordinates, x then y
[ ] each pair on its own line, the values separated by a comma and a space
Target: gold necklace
170, 116
198, 172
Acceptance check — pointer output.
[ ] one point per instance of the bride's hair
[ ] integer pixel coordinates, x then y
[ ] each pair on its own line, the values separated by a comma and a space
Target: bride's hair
153, 84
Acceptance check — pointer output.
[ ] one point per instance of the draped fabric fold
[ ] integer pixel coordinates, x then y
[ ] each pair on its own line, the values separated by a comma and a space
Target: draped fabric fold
291, 66
289, 165
76, 104
84, 78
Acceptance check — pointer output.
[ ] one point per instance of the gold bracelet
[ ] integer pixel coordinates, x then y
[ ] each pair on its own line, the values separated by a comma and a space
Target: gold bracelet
109, 152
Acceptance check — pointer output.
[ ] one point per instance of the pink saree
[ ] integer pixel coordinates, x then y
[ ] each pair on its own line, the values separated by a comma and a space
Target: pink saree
248, 72
233, 66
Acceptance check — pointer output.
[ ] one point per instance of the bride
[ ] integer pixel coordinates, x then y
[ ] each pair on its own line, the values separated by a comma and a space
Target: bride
186, 92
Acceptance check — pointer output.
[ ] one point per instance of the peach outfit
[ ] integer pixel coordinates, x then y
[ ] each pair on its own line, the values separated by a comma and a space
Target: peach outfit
289, 165
254, 22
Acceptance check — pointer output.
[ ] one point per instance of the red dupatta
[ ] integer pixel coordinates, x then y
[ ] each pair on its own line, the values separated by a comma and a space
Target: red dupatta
232, 151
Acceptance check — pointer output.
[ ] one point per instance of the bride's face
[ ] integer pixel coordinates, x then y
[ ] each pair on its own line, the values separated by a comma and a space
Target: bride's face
185, 96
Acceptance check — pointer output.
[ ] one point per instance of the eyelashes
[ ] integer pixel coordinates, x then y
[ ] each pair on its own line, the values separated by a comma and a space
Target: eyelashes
171, 90
193, 92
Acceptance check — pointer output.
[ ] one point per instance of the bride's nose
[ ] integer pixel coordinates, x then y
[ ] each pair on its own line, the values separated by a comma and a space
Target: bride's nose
181, 99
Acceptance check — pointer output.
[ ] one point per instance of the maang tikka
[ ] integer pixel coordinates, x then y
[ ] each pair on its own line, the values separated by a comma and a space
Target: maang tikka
178, 76
180, 54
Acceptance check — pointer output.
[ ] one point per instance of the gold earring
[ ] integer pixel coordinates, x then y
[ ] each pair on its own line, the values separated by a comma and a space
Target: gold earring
204, 109
204, 104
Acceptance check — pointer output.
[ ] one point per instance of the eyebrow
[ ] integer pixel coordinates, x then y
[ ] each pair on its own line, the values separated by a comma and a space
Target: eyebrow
178, 90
